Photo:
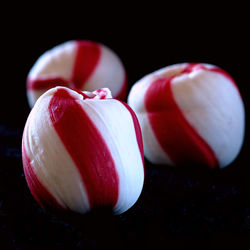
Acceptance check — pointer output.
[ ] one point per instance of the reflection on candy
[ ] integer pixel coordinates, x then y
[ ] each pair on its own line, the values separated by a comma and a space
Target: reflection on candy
80, 64
82, 151
190, 113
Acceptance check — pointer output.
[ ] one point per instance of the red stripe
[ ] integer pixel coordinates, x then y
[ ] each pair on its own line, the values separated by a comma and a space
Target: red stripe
86, 147
122, 94
40, 193
176, 136
44, 84
87, 57
137, 129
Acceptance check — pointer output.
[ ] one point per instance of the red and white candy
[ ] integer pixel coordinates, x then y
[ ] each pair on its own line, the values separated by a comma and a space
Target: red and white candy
190, 113
83, 150
80, 64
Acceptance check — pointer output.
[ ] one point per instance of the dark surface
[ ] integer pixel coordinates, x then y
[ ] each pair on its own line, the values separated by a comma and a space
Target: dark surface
179, 208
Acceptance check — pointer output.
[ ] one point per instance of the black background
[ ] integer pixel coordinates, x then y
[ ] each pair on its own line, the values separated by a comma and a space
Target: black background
179, 207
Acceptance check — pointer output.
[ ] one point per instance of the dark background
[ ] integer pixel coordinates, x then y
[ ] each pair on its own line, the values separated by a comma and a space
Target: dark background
179, 207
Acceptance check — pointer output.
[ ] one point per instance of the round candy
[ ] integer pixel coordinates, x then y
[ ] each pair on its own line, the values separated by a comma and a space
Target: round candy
82, 151
190, 113
80, 64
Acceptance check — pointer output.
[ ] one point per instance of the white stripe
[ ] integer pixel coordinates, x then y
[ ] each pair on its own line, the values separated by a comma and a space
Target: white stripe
109, 73
115, 124
212, 105
172, 70
51, 161
152, 149
58, 61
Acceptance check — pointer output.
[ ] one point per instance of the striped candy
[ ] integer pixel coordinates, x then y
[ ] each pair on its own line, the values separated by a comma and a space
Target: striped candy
190, 113
82, 151
80, 64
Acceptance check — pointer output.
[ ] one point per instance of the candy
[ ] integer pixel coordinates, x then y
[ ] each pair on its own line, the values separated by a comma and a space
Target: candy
83, 150
80, 64
190, 113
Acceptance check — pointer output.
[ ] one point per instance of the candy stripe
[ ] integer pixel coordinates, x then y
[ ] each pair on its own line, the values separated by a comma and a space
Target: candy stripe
55, 66
50, 157
87, 57
38, 190
109, 73
174, 133
152, 149
116, 123
122, 94
43, 84
137, 129
86, 147
210, 95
